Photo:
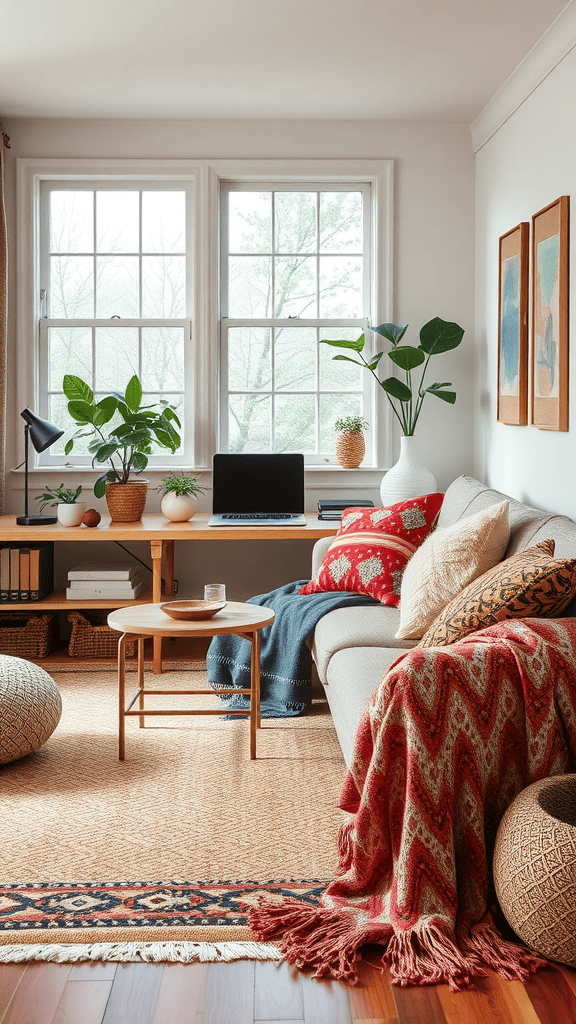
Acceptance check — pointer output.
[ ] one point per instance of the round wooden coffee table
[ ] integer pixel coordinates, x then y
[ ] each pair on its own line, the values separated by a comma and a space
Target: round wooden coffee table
136, 622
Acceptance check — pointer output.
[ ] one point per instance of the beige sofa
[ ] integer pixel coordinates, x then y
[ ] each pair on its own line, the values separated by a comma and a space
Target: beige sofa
353, 647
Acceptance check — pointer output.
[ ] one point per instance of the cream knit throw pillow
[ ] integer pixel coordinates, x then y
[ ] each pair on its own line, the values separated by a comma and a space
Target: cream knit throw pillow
446, 562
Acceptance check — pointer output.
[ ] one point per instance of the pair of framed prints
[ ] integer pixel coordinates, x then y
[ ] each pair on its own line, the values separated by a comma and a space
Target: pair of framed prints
549, 320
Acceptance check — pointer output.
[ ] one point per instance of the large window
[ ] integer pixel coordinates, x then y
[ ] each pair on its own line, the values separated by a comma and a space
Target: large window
295, 268
114, 275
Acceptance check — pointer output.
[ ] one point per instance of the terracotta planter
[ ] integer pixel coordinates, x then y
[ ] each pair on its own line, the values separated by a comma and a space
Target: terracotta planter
126, 501
179, 508
350, 448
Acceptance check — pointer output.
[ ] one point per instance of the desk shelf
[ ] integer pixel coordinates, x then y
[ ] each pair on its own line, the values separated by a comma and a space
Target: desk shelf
57, 601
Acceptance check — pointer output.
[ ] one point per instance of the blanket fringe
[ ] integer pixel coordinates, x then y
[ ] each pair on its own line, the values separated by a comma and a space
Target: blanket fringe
510, 960
150, 952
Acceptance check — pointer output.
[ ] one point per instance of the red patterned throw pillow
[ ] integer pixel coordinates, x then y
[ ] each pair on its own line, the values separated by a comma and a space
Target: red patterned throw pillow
372, 546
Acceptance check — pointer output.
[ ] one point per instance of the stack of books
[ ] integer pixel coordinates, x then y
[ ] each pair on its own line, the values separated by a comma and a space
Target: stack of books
26, 572
93, 581
332, 508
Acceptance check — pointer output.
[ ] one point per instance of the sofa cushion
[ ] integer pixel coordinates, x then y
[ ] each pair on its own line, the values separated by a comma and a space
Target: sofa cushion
530, 583
446, 562
368, 626
372, 546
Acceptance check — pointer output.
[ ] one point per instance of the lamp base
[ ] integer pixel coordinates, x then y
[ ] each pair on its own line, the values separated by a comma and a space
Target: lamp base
36, 520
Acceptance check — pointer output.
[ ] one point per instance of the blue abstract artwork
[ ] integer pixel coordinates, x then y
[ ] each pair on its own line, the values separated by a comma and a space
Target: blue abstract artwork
510, 326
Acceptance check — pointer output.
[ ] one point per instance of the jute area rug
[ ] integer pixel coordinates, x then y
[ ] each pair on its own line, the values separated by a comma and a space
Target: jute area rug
159, 857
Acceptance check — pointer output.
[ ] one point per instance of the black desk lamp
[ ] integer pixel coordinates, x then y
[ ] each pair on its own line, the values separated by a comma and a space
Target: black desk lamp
43, 435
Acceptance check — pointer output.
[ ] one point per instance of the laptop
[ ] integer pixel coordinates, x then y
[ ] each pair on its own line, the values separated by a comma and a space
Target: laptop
258, 490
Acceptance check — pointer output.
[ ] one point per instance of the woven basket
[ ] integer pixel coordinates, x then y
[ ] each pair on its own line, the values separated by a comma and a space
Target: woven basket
94, 639
27, 636
126, 501
350, 448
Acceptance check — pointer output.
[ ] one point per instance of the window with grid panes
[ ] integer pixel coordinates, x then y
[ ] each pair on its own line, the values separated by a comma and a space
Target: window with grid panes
295, 268
115, 272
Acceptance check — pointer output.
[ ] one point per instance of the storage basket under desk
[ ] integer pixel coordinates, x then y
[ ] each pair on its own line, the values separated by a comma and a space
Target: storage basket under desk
93, 639
25, 635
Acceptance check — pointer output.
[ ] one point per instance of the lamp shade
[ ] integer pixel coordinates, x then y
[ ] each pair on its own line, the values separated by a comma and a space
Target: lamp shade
42, 433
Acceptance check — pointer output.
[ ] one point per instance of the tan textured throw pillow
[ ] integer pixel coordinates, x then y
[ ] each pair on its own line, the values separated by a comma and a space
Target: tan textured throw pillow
446, 562
530, 583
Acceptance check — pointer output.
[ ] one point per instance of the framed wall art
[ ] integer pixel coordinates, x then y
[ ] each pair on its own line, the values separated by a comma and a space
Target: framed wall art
513, 325
550, 230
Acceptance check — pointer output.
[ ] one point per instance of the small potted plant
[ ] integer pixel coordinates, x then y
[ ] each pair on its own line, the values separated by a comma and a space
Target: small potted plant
69, 510
350, 445
124, 447
179, 502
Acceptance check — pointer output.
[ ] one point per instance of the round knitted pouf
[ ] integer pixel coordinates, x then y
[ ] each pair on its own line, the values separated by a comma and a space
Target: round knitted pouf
30, 707
535, 867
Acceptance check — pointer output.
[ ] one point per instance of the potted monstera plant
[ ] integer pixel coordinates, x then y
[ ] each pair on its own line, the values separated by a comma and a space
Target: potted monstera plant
123, 433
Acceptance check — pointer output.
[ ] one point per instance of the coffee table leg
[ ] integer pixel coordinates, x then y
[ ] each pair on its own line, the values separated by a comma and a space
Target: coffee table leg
121, 695
141, 679
255, 695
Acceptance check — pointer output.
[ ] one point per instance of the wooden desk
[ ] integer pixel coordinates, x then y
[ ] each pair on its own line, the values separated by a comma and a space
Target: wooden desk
160, 533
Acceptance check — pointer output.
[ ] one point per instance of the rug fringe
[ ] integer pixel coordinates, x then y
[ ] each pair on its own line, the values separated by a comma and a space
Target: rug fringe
149, 952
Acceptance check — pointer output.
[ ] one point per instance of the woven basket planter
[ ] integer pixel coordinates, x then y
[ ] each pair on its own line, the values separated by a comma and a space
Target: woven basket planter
350, 448
126, 501
535, 867
94, 640
27, 636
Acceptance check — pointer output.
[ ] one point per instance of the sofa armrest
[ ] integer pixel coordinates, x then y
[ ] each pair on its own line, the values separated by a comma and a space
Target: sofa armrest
318, 551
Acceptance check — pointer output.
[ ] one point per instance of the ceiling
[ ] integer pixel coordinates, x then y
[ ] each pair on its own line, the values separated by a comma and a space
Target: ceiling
417, 60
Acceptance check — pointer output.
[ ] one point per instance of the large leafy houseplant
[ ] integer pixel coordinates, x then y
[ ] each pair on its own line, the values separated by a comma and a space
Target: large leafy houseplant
126, 445
406, 397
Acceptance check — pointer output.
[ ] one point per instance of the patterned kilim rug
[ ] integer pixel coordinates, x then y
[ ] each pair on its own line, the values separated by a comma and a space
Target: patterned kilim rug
160, 857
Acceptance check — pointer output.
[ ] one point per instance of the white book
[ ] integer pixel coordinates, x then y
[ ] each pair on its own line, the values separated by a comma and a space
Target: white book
94, 592
115, 585
103, 571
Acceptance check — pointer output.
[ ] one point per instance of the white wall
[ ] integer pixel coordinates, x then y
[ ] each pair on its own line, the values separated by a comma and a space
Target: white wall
529, 162
433, 272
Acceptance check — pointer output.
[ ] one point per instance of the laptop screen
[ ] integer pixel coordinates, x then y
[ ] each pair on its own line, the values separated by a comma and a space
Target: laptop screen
258, 483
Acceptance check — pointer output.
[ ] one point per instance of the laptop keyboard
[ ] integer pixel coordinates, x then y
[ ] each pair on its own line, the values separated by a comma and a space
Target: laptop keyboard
257, 515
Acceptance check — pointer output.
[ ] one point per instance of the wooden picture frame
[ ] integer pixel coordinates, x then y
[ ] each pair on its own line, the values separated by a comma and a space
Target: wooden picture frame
513, 325
550, 254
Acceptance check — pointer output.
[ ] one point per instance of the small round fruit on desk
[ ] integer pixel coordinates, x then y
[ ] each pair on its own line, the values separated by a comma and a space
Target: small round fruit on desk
91, 517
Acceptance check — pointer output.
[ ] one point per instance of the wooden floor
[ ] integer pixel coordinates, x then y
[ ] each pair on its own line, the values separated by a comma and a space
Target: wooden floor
246, 992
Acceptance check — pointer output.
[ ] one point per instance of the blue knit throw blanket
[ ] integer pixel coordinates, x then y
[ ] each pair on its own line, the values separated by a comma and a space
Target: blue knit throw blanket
285, 659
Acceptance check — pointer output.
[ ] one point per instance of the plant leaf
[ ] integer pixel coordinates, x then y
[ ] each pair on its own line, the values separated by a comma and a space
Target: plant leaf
375, 360
393, 386
435, 387
133, 395
440, 336
76, 390
100, 486
81, 411
407, 357
139, 461
78, 492
391, 332
348, 360
68, 446
103, 453
446, 396
105, 410
357, 345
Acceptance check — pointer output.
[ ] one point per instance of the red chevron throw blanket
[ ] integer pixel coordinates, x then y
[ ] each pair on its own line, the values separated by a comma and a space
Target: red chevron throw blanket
451, 736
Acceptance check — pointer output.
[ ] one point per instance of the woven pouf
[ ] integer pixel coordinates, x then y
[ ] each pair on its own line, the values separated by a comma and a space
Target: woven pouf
30, 707
535, 867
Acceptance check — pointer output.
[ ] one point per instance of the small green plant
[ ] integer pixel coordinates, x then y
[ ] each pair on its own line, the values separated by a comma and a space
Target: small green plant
179, 485
353, 424
127, 445
406, 398
58, 496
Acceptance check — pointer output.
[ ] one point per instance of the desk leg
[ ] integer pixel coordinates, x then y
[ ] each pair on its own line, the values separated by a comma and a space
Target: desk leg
121, 695
141, 679
156, 547
255, 695
169, 568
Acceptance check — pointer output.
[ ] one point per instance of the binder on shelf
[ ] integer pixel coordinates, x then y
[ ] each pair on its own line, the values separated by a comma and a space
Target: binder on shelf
24, 574
14, 574
41, 570
4, 574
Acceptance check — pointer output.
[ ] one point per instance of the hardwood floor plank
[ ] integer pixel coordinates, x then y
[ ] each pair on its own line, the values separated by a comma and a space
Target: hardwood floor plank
10, 978
372, 998
182, 995
134, 994
418, 1004
36, 999
489, 1000
93, 970
83, 1002
552, 997
277, 992
518, 1001
325, 1001
230, 993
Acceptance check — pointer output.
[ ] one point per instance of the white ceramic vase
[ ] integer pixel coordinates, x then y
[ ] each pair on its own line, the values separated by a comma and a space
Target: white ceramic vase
408, 478
70, 513
179, 508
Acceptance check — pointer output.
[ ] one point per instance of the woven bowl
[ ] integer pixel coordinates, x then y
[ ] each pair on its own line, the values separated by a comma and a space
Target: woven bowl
192, 609
535, 867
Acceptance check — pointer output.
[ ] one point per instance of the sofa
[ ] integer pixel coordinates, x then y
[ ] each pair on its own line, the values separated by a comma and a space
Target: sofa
353, 648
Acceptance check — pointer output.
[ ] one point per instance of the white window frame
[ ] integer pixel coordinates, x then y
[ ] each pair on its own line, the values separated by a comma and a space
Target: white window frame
205, 177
